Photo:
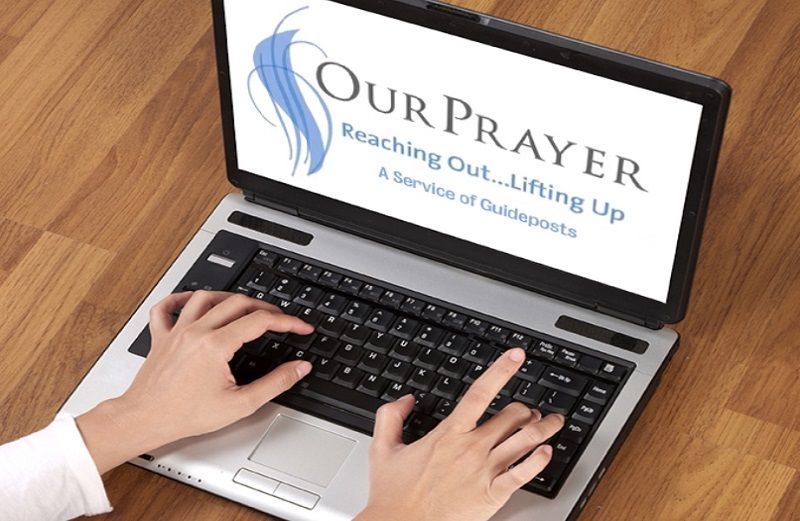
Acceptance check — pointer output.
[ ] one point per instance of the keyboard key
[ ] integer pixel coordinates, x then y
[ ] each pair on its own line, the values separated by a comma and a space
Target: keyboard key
599, 392
547, 479
510, 386
288, 307
454, 320
275, 350
425, 402
299, 354
392, 299
370, 293
310, 273
373, 362
243, 290
475, 326
589, 364
479, 352
474, 373
422, 379
545, 350
429, 359
454, 367
350, 286
300, 341
443, 409
587, 412
338, 396
333, 304
567, 357
285, 288
330, 279
557, 402
575, 431
348, 377
356, 312
324, 346
412, 306
530, 370
429, 336
310, 316
356, 334
454, 344
373, 385
499, 403
404, 350
289, 266
398, 370
563, 380
309, 296
348, 354
564, 450
405, 328
447, 387
380, 320
380, 342
251, 369
395, 391
433, 313
612, 371
266, 258
519, 340
529, 393
332, 326
421, 424
325, 368
497, 334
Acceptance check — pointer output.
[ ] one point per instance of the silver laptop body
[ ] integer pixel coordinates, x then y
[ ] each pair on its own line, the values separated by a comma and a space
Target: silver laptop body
311, 469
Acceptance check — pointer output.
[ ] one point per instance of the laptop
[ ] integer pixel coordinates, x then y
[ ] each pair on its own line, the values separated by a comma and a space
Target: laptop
429, 186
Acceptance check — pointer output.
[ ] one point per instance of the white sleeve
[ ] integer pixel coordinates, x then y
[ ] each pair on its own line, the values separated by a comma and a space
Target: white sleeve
50, 476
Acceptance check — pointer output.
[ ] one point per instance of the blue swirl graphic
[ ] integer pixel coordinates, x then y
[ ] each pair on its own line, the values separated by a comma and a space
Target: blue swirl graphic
273, 64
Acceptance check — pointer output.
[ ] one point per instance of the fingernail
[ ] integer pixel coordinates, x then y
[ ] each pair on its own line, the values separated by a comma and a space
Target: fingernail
547, 449
303, 368
536, 414
516, 354
406, 397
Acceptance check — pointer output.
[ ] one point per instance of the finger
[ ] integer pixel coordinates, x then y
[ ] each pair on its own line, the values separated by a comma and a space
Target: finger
513, 416
231, 309
389, 422
199, 305
485, 388
161, 320
508, 482
533, 434
280, 379
253, 325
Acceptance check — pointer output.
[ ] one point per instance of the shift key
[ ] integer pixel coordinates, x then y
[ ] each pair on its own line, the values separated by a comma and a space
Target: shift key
563, 380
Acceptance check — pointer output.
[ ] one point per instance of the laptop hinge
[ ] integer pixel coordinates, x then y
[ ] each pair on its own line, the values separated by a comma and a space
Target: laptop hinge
640, 321
255, 198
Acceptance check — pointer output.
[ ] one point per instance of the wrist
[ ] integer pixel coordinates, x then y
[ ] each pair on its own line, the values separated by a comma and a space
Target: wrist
116, 431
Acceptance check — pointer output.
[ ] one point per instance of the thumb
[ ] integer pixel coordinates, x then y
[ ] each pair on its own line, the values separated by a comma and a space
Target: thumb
389, 422
280, 379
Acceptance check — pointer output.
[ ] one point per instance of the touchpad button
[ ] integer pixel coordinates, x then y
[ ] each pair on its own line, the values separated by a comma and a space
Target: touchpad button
302, 450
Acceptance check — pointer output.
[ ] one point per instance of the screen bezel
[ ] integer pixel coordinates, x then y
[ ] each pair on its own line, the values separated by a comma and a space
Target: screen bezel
711, 93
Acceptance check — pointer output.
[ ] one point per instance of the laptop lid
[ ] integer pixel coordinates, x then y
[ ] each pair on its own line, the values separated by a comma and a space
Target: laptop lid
551, 164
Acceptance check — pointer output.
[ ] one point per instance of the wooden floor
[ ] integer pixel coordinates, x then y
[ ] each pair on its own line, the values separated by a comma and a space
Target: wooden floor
109, 118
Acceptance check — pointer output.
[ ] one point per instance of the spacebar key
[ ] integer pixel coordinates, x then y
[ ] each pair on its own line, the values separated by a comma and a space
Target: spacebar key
338, 396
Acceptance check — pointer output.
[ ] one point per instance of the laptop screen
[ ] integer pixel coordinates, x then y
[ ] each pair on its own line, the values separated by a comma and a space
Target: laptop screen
540, 161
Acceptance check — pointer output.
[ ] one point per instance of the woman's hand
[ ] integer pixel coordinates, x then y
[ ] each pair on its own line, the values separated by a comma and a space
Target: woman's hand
185, 387
459, 471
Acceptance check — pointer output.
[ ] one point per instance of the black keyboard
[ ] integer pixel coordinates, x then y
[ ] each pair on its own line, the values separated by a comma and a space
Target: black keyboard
375, 342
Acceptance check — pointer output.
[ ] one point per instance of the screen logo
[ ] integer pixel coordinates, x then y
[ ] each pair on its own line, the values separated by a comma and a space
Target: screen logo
297, 105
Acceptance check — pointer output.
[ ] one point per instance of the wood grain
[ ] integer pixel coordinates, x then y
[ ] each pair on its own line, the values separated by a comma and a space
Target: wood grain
111, 157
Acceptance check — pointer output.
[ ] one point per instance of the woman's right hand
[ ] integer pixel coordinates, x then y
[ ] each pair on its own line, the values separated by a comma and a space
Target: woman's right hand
459, 471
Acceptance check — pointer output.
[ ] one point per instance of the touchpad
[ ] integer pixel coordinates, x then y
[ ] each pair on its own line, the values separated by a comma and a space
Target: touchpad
302, 450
